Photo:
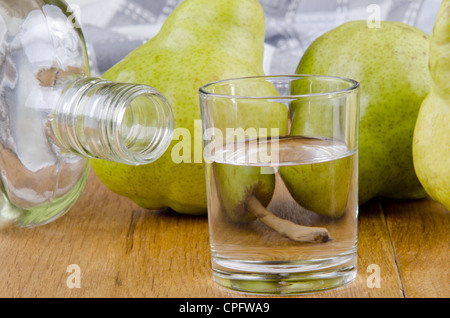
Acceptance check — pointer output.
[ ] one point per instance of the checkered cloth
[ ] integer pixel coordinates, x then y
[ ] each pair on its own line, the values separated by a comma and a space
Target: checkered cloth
113, 28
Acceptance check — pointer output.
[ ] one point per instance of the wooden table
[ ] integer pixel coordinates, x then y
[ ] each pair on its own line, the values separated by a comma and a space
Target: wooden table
120, 250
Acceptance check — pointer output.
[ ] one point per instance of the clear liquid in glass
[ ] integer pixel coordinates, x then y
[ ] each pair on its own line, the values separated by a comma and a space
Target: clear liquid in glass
314, 184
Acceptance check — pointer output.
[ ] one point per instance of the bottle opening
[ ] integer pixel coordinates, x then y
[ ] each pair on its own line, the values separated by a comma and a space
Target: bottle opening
125, 123
144, 128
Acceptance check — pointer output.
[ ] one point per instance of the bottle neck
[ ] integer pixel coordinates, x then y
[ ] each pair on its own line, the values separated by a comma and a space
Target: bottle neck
125, 123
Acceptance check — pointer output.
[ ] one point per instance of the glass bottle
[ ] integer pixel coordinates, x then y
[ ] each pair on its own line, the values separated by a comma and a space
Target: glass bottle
54, 117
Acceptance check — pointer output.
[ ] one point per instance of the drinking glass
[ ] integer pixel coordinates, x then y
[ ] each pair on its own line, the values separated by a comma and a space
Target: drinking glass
281, 156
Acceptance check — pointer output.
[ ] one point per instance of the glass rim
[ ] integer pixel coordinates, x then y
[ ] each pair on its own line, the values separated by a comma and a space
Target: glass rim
354, 85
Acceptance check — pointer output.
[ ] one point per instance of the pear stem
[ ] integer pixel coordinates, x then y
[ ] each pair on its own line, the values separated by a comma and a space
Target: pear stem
292, 230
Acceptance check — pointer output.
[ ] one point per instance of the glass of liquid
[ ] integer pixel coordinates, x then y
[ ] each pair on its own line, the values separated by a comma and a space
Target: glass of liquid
281, 156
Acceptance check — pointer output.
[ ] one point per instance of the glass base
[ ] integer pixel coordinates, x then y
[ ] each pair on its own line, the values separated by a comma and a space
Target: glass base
285, 277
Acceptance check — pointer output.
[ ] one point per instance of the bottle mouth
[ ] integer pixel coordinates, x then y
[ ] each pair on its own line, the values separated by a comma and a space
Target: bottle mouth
120, 122
143, 126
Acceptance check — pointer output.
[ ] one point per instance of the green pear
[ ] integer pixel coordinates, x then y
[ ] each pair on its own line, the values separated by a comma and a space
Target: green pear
236, 185
431, 147
200, 42
244, 193
390, 63
321, 187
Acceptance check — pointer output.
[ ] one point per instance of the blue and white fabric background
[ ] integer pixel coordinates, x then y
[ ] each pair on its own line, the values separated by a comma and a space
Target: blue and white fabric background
113, 28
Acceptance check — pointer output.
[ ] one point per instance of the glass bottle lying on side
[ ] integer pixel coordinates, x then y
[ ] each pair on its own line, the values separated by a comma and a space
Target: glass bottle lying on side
54, 117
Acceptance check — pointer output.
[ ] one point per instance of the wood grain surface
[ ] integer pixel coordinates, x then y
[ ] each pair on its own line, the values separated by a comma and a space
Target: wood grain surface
122, 250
